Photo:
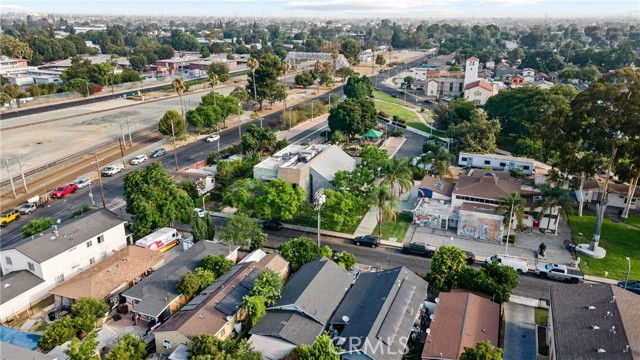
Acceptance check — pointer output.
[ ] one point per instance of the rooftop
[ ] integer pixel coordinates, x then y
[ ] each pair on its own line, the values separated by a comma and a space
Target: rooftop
490, 185
100, 280
481, 208
479, 83
588, 317
158, 290
16, 283
70, 234
436, 185
462, 319
293, 156
10, 351
620, 189
497, 156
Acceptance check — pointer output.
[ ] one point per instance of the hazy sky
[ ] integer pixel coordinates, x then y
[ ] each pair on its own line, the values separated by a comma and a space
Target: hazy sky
336, 8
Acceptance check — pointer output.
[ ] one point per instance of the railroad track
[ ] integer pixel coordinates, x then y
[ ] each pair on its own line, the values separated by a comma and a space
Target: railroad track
41, 179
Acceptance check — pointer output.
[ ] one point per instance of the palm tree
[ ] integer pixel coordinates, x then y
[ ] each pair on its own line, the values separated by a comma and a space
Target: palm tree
390, 49
179, 86
334, 56
554, 197
253, 64
398, 174
515, 202
386, 201
213, 80
373, 59
439, 158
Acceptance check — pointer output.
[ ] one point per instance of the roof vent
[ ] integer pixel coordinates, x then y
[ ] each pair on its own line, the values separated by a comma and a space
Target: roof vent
591, 307
608, 314
626, 349
613, 329
7, 285
601, 350
613, 300
595, 327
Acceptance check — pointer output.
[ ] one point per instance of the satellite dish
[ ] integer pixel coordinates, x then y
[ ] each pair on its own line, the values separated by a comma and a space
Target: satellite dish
429, 331
437, 300
345, 319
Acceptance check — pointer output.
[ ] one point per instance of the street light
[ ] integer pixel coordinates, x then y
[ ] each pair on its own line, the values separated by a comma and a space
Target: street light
261, 122
628, 272
204, 197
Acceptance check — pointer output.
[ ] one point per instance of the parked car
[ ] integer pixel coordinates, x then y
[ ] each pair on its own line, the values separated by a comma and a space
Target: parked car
8, 216
519, 264
428, 101
139, 159
158, 152
446, 99
200, 213
395, 95
64, 190
213, 138
419, 248
632, 285
369, 240
559, 272
27, 208
471, 257
81, 183
112, 169
272, 225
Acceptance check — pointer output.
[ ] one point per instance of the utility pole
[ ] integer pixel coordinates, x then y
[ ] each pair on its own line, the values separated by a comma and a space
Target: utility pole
93, 202
175, 152
13, 187
24, 180
319, 200
104, 203
129, 128
312, 109
289, 119
508, 229
122, 150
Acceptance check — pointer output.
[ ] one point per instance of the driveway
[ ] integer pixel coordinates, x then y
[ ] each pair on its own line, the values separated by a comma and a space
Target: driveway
519, 332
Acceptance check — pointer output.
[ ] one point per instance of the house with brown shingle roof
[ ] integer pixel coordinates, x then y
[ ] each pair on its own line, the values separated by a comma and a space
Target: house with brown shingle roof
461, 319
480, 91
618, 194
109, 277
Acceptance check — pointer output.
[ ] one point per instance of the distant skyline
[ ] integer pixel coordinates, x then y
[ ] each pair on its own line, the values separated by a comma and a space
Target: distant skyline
335, 8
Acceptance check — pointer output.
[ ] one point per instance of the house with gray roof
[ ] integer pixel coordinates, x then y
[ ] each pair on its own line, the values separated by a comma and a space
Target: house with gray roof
59, 254
155, 298
376, 318
593, 321
10, 351
307, 303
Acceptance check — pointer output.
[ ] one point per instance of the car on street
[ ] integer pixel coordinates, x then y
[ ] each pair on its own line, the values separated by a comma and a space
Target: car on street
632, 285
111, 170
8, 216
200, 213
139, 159
213, 138
81, 183
158, 152
446, 99
395, 95
428, 101
559, 272
368, 240
419, 248
64, 190
471, 257
272, 225
519, 264
27, 208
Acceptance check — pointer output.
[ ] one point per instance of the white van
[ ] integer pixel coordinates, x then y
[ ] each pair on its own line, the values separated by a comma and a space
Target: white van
519, 264
112, 169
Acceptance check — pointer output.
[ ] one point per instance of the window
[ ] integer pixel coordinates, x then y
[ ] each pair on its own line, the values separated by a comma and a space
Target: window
100, 239
450, 87
166, 344
92, 260
463, 159
460, 87
60, 279
8, 259
31, 267
487, 162
503, 164
526, 167
89, 243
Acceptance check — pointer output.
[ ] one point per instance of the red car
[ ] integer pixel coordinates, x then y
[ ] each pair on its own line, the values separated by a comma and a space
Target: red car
63, 190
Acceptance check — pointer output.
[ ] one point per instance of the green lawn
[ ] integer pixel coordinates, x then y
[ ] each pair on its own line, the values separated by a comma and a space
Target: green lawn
422, 127
396, 110
619, 240
632, 220
382, 96
311, 220
395, 229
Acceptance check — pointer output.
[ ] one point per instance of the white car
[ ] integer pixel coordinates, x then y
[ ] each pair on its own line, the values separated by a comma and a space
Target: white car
200, 213
83, 182
139, 159
213, 138
446, 99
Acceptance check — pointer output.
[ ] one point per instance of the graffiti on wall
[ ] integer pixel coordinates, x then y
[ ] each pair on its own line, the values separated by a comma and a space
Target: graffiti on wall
480, 227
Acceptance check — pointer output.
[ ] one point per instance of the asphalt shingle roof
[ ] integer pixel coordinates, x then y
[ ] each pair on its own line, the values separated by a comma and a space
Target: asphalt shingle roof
70, 234
15, 283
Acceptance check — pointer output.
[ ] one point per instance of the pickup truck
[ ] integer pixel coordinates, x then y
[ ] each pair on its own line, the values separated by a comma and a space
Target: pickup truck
63, 190
112, 169
8, 216
559, 272
27, 208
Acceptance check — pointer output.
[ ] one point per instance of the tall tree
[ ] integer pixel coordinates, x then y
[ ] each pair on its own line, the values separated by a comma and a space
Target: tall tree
554, 197
353, 117
397, 175
446, 266
279, 200
478, 135
220, 69
438, 157
130, 347
299, 251
265, 81
208, 347
83, 350
213, 80
358, 87
172, 117
509, 203
240, 230
179, 86
154, 200
253, 64
323, 348
386, 202
484, 350
608, 117
351, 50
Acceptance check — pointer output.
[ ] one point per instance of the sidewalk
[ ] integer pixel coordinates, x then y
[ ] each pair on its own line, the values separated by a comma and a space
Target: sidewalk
300, 128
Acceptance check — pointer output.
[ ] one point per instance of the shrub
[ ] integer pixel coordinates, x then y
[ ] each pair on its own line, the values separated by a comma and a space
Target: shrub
397, 132
383, 114
35, 226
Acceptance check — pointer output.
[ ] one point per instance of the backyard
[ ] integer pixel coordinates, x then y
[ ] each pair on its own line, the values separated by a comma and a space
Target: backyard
619, 240
396, 229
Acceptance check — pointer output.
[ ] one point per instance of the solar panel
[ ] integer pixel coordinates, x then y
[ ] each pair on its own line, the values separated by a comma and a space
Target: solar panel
439, 185
250, 279
231, 302
391, 322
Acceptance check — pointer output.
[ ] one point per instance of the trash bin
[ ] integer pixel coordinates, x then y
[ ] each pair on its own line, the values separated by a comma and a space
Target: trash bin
52, 316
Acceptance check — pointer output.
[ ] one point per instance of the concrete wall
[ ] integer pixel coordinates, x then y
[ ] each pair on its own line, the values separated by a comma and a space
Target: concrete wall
174, 337
480, 226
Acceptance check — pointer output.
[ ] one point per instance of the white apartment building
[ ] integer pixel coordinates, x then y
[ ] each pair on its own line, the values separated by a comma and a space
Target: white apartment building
496, 162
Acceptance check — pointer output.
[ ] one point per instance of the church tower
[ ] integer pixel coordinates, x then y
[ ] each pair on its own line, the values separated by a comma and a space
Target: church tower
471, 70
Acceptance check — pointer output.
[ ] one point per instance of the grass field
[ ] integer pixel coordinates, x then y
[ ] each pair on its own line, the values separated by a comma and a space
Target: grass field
388, 98
632, 220
396, 110
619, 240
422, 127
395, 229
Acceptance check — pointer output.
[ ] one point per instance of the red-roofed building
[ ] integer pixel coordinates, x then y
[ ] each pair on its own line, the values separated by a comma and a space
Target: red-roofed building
480, 91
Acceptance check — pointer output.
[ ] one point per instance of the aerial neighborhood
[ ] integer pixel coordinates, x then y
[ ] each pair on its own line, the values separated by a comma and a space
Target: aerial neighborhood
319, 181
